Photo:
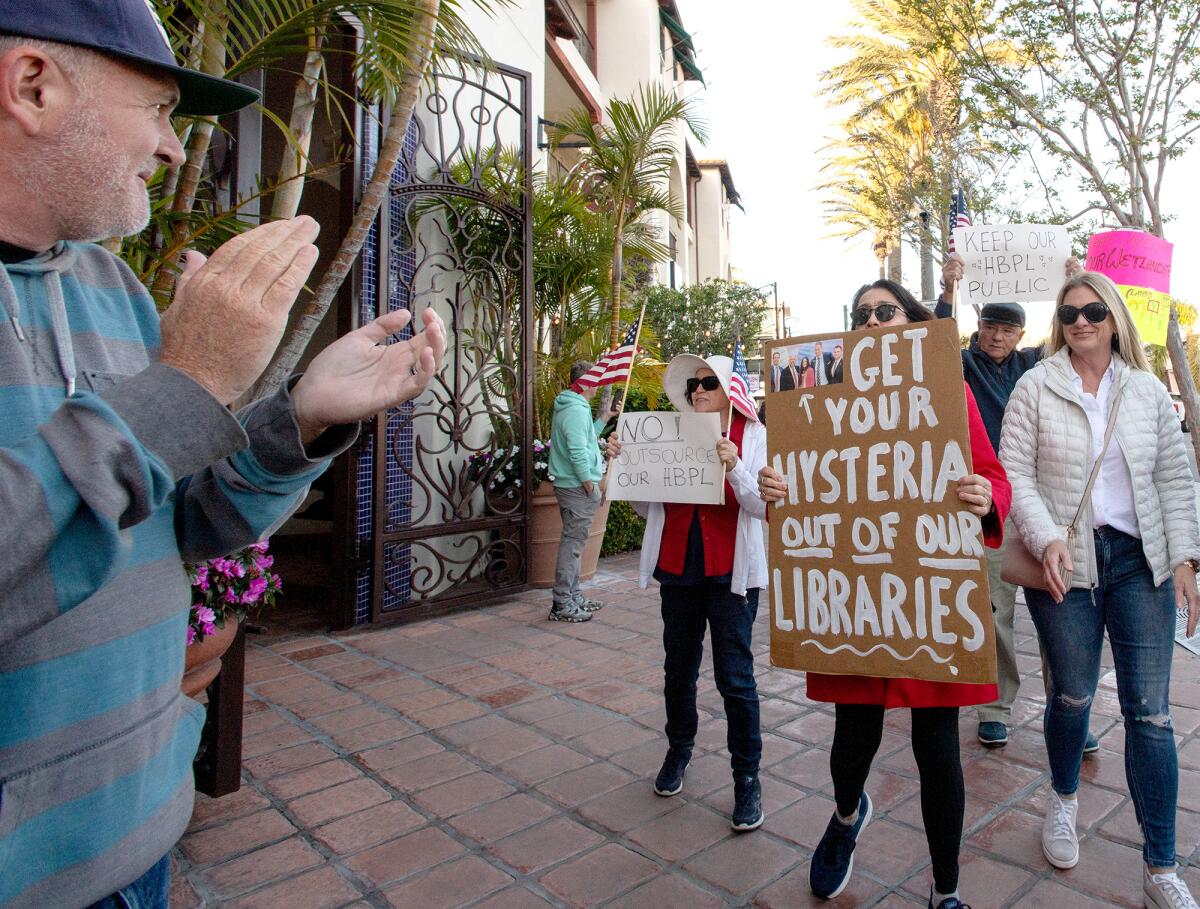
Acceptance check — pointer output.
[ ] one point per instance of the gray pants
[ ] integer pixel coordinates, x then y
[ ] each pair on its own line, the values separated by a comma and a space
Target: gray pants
577, 509
1004, 599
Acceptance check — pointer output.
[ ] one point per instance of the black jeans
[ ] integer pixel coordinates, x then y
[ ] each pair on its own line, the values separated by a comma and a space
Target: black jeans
685, 611
856, 738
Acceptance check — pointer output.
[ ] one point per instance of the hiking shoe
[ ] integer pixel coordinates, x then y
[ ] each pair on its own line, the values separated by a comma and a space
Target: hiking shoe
950, 902
568, 612
747, 803
993, 735
1060, 844
829, 872
589, 605
1091, 745
670, 776
1165, 891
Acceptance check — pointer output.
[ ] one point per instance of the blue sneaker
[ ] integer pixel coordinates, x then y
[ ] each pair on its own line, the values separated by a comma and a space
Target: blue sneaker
670, 776
993, 735
950, 902
833, 861
1092, 744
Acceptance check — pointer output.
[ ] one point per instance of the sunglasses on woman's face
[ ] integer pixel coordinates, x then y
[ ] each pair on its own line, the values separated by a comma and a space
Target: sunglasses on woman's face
1095, 312
708, 383
884, 312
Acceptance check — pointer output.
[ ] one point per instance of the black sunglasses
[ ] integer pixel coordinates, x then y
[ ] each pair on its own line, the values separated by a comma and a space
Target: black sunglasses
1095, 312
710, 383
885, 312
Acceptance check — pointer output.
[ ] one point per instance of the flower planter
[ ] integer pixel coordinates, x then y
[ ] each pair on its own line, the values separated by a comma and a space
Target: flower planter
202, 660
545, 532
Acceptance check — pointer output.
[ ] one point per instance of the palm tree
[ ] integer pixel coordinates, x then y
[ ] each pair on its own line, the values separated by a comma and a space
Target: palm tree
903, 86
627, 166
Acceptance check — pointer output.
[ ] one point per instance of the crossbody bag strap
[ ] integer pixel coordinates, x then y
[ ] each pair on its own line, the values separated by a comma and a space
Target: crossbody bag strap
1108, 432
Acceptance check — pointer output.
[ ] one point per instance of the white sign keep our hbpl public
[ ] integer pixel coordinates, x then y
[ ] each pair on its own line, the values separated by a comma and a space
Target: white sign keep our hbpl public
1011, 263
667, 457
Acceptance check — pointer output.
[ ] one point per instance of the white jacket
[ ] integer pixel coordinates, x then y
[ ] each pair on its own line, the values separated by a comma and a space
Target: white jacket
749, 555
1046, 445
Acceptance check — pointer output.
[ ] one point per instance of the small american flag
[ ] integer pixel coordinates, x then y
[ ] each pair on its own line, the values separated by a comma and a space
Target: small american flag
959, 216
614, 366
739, 384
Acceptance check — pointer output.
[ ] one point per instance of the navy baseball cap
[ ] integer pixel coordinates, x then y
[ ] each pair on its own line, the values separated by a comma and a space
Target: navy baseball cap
129, 30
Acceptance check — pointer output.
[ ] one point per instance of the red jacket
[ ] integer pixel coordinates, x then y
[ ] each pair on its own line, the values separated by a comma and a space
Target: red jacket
855, 689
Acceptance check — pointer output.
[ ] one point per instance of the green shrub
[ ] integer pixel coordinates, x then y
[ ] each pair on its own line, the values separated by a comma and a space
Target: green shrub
624, 529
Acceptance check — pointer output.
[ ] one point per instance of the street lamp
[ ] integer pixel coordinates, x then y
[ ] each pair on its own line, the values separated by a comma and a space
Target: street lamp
774, 285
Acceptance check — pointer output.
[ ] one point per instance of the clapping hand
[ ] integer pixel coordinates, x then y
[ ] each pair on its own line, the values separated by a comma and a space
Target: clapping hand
360, 374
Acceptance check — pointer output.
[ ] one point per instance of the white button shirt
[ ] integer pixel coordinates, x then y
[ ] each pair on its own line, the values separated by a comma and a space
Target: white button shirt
1112, 496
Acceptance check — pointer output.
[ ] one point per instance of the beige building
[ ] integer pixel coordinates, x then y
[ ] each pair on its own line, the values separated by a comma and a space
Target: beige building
582, 53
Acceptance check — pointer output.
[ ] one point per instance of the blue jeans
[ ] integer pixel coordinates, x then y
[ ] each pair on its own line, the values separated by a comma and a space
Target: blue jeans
685, 611
149, 891
1140, 619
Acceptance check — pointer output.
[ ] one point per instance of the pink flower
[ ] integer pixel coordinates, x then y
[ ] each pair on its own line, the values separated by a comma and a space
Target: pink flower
209, 628
231, 595
255, 590
191, 636
264, 562
260, 547
205, 615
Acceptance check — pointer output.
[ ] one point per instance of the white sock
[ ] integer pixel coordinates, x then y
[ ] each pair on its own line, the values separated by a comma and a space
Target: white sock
938, 898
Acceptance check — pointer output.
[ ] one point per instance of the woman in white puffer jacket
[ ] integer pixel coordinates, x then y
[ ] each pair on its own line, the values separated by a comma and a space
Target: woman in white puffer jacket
1135, 556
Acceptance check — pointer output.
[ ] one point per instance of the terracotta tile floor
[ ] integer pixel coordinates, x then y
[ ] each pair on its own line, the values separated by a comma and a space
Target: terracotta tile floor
493, 759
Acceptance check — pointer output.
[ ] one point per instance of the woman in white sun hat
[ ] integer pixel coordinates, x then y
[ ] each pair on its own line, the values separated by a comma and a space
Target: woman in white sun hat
710, 562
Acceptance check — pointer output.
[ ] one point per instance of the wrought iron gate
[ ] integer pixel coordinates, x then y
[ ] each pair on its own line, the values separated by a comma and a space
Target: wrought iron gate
442, 482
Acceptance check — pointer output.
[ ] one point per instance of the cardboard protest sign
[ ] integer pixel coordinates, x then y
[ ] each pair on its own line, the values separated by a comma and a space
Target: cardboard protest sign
1140, 265
875, 568
667, 457
1009, 263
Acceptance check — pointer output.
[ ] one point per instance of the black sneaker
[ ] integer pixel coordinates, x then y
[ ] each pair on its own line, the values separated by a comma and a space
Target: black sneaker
950, 902
670, 776
747, 804
829, 872
568, 612
1091, 744
993, 734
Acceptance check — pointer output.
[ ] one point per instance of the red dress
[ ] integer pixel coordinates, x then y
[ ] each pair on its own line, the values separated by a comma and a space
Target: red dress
857, 689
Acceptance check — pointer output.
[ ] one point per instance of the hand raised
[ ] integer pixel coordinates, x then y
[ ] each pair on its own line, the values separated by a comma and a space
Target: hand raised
359, 374
230, 311
952, 270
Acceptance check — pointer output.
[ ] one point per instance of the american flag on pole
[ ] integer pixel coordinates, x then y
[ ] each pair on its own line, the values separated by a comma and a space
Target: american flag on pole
959, 216
614, 366
739, 384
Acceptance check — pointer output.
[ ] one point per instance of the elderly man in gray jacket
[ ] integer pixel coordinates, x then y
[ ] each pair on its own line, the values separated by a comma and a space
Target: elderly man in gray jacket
119, 454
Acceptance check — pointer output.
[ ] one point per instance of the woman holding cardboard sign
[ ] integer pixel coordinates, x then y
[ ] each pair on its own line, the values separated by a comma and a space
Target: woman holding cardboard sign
709, 562
1104, 501
861, 701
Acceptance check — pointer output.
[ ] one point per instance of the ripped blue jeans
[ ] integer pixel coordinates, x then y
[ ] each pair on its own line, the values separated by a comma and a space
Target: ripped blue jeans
1140, 620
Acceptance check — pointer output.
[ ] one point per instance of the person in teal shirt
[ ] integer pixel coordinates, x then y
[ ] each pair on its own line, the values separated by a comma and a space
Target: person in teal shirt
575, 467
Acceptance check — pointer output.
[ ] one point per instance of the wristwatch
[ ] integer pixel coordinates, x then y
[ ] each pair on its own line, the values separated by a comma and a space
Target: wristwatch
1194, 564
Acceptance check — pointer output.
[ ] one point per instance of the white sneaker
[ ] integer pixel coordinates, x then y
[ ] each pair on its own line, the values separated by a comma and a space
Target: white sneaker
1166, 891
1059, 842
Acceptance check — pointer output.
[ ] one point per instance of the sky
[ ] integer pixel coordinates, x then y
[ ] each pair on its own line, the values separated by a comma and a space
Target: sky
762, 60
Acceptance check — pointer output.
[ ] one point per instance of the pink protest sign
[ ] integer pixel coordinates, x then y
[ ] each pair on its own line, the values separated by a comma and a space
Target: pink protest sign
1131, 258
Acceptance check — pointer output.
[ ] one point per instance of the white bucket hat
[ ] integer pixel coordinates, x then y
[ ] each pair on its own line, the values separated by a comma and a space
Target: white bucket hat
684, 366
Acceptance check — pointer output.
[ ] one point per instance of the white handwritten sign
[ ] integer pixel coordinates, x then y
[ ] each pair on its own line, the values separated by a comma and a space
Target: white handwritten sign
667, 457
875, 567
1011, 263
